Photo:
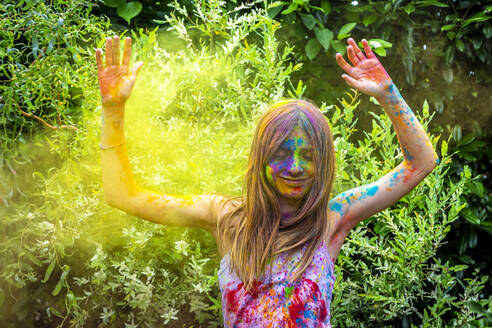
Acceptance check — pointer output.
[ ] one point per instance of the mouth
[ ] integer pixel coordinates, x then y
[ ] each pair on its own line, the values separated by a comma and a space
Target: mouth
294, 181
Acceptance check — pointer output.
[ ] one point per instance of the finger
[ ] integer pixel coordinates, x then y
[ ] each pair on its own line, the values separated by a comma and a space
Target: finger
109, 52
116, 50
356, 49
343, 64
351, 56
367, 49
136, 68
351, 81
127, 53
99, 60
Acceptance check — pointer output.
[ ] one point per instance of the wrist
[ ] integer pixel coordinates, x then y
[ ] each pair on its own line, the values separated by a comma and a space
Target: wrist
388, 93
113, 111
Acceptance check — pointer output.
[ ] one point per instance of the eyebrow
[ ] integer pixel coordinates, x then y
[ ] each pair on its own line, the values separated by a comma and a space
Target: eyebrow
302, 148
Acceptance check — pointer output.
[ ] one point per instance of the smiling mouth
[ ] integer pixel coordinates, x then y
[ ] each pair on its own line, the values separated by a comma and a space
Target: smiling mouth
295, 180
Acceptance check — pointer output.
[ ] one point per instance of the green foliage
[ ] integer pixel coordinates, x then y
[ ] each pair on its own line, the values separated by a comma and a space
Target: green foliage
388, 272
44, 68
126, 10
70, 260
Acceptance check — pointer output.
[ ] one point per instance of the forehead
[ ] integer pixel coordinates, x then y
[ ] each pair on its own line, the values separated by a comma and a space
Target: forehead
297, 139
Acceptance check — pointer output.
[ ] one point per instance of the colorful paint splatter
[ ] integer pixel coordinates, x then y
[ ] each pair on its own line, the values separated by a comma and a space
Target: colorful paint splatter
273, 302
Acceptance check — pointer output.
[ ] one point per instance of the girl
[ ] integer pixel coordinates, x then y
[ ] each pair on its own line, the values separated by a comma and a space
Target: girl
278, 243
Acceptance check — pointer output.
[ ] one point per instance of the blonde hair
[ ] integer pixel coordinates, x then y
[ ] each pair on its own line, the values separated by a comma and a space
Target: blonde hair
254, 228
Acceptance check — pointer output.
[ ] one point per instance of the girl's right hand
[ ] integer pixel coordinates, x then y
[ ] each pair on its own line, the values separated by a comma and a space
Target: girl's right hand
115, 79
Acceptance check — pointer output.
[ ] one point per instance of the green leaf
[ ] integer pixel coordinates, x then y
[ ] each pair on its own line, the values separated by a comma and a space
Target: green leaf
273, 11
35, 46
476, 307
292, 7
425, 109
379, 43
324, 36
114, 3
451, 35
50, 268
312, 48
326, 6
345, 30
409, 8
299, 89
456, 133
380, 51
470, 216
308, 20
447, 74
426, 3
460, 45
480, 17
339, 46
459, 267
129, 10
33, 258
477, 42
61, 281
368, 20
487, 31
448, 27
449, 55
444, 148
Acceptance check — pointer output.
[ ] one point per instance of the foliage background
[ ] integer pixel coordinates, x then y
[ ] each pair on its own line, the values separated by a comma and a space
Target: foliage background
69, 260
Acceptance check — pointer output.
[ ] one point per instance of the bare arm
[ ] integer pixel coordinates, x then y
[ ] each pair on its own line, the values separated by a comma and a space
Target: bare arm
116, 81
419, 158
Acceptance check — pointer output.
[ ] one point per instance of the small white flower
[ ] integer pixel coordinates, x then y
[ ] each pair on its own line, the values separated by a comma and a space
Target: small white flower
181, 247
375, 44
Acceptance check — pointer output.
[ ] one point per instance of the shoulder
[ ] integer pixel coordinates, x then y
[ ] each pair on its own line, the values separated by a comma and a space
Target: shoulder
226, 220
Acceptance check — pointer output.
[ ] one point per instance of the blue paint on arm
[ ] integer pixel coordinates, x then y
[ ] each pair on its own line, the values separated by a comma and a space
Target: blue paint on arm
336, 206
372, 190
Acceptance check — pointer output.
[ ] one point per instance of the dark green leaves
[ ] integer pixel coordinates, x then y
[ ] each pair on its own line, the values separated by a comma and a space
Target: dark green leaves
345, 30
61, 281
50, 268
129, 10
324, 36
114, 3
308, 20
312, 48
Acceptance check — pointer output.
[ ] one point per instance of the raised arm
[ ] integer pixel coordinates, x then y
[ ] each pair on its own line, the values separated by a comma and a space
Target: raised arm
116, 81
419, 158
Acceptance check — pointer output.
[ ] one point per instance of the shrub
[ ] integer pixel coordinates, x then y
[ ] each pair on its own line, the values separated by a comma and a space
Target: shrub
70, 260
43, 67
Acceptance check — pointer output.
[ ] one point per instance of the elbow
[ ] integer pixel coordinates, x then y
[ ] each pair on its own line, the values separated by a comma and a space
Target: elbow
116, 200
429, 165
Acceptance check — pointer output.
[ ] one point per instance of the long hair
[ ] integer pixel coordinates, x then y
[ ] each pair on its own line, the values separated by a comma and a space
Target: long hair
254, 228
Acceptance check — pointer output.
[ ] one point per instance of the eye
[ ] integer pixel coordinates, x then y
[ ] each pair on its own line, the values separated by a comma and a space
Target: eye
281, 153
308, 156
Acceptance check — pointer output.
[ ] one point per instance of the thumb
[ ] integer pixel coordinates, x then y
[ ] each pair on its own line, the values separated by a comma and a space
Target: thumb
351, 81
136, 68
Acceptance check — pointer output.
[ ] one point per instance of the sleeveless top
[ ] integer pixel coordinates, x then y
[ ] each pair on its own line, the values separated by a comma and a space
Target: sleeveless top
273, 302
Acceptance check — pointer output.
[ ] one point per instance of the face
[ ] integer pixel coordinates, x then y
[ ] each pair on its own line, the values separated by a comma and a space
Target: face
291, 170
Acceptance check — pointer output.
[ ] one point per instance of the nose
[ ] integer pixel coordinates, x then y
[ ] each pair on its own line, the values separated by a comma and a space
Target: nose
295, 168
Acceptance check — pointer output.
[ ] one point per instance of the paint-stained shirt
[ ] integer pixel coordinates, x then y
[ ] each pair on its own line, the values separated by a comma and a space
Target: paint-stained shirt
273, 302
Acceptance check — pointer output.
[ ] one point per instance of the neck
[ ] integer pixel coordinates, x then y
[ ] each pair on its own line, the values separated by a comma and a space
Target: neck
288, 208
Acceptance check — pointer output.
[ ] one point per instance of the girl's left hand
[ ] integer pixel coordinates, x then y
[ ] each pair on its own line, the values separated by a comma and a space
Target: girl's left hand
367, 74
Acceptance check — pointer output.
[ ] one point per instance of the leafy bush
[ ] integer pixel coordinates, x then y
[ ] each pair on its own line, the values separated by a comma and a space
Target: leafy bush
43, 67
70, 260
